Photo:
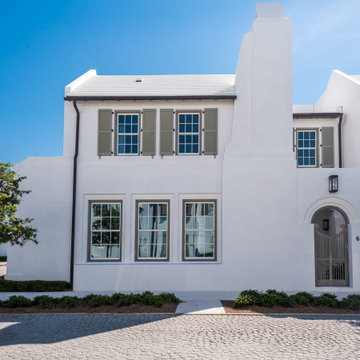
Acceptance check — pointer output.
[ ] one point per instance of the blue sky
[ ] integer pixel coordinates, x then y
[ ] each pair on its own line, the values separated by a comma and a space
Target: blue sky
47, 44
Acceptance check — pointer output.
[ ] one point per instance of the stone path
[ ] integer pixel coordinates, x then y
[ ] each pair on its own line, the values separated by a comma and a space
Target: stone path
109, 336
209, 307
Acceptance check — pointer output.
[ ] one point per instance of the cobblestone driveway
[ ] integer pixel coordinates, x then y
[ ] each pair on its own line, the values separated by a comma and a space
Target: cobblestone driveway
106, 336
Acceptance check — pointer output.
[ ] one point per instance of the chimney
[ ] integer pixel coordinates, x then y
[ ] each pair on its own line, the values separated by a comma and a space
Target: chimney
263, 109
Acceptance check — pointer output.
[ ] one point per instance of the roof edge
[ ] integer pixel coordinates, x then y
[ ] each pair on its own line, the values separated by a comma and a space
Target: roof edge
317, 115
154, 97
81, 79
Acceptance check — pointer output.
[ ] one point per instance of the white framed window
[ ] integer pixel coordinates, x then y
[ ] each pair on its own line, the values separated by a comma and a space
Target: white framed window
307, 147
152, 230
199, 230
188, 133
104, 230
128, 127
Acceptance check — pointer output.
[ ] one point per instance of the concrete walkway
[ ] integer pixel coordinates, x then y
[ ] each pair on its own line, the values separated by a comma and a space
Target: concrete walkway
208, 307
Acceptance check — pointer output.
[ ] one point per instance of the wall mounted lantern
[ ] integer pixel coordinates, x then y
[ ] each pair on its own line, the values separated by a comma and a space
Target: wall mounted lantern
333, 183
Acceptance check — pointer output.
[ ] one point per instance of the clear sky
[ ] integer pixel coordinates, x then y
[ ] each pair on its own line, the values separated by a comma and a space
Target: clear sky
46, 44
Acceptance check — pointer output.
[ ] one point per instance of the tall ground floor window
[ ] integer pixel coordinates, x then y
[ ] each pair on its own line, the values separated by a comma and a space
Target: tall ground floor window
199, 230
105, 230
152, 230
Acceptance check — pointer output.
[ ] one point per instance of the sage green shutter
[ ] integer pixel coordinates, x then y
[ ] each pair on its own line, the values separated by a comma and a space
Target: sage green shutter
327, 148
166, 132
211, 132
149, 132
105, 132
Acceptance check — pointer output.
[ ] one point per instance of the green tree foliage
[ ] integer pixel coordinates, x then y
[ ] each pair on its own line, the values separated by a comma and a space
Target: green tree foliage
13, 230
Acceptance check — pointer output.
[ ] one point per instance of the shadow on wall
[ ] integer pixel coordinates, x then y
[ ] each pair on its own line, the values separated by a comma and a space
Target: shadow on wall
48, 329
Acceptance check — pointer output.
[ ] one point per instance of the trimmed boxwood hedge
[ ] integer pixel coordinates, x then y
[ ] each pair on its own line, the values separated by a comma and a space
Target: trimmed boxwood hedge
271, 298
92, 300
32, 285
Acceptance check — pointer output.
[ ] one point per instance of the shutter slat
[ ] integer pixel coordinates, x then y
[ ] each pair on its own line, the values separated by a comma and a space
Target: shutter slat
327, 149
104, 132
166, 132
149, 132
211, 132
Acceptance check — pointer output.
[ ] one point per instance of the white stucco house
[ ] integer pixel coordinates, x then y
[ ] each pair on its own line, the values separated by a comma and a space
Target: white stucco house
201, 182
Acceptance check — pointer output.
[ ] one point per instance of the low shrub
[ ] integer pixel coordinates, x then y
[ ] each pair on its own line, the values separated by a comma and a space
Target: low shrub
146, 298
32, 285
273, 297
169, 297
45, 301
94, 300
303, 298
351, 302
247, 298
15, 301
326, 299
70, 301
122, 299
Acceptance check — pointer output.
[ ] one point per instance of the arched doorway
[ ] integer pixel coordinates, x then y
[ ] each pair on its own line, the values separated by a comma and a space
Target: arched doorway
331, 247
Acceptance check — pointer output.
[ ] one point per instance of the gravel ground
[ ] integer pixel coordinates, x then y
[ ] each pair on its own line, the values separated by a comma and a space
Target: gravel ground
160, 336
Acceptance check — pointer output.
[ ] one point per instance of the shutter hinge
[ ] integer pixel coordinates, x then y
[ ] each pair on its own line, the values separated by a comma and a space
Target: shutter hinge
320, 145
112, 130
203, 111
173, 152
174, 130
112, 112
141, 112
320, 129
173, 112
203, 129
140, 152
112, 153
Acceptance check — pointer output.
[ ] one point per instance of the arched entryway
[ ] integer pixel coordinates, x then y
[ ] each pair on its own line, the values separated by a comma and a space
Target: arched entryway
331, 247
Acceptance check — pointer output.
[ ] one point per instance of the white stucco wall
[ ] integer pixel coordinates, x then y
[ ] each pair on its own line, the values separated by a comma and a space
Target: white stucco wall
265, 204
343, 94
49, 204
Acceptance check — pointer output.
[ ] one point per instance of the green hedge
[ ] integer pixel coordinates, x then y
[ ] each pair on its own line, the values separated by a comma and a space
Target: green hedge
92, 300
271, 298
32, 285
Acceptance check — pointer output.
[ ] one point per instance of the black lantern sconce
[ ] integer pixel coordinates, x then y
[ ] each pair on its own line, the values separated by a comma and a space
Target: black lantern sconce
333, 183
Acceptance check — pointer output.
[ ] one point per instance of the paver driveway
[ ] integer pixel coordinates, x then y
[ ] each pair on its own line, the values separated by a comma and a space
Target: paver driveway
106, 336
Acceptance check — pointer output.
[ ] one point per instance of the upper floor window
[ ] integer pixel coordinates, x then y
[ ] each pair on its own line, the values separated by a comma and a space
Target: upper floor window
142, 132
128, 133
307, 147
188, 133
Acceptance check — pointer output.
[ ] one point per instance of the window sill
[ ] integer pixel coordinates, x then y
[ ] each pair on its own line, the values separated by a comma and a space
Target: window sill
162, 263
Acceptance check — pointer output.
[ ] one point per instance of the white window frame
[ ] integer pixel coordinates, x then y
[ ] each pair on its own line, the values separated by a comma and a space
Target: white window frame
138, 113
199, 133
316, 148
137, 230
214, 230
91, 230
